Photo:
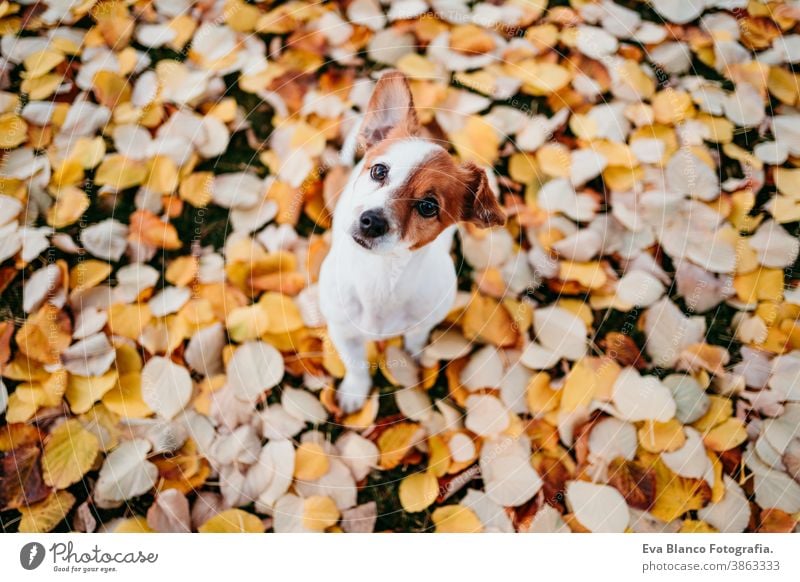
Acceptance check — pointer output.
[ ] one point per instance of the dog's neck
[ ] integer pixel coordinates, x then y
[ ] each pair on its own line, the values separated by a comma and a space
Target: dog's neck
391, 266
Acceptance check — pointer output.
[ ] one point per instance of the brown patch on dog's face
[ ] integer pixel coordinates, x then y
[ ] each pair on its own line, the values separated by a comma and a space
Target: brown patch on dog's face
458, 193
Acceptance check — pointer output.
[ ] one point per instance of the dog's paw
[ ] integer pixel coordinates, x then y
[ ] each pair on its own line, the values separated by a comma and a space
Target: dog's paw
352, 394
414, 345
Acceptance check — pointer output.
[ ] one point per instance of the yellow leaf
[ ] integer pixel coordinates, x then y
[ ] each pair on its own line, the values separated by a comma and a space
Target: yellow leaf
69, 453
416, 66
88, 273
23, 403
41, 62
120, 173
589, 275
45, 334
111, 89
283, 315
783, 84
84, 391
590, 378
319, 512
135, 524
675, 495
760, 285
418, 491
128, 320
541, 78
696, 526
439, 456
477, 141
657, 437
541, 397
671, 106
487, 320
395, 442
68, 173
726, 435
554, 160
247, 323
310, 462
197, 188
182, 271
720, 409
41, 87
70, 204
788, 181
13, 130
162, 176
233, 521
88, 152
43, 516
125, 398
522, 168
583, 126
364, 417
456, 519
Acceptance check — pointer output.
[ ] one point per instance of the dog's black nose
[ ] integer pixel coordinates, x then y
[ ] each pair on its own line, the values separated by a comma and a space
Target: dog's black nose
373, 223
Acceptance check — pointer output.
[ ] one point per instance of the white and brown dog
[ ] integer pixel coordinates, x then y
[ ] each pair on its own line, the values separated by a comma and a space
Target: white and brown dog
389, 271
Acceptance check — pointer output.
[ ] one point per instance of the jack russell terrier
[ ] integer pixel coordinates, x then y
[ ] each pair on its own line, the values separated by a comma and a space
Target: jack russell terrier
389, 271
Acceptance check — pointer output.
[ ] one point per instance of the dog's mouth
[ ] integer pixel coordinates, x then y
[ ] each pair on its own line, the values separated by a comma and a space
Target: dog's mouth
363, 242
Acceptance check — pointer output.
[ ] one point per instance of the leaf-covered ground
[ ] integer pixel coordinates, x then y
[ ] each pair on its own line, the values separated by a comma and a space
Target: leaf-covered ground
623, 356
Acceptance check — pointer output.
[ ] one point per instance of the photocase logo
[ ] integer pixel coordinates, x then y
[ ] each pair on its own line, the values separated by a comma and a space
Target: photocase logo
31, 555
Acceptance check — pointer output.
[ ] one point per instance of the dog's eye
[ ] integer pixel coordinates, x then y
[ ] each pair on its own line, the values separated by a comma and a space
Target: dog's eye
428, 207
378, 172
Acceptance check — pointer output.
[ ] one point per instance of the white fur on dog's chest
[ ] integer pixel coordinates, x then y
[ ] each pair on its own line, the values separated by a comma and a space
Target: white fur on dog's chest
382, 297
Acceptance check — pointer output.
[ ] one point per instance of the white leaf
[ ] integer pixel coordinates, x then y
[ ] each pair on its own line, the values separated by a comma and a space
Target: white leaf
337, 483
508, 476
731, 514
690, 460
279, 424
638, 397
484, 370
169, 300
278, 456
639, 288
595, 42
611, 438
3, 396
303, 405
560, 331
680, 11
486, 415
414, 403
599, 508
492, 516
204, 351
106, 239
254, 368
91, 356
41, 284
358, 453
774, 247
126, 472
166, 386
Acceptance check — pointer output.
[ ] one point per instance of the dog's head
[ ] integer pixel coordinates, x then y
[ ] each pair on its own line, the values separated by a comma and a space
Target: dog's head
410, 189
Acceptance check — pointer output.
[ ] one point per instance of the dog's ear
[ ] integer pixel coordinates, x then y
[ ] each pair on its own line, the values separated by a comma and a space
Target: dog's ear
390, 107
480, 206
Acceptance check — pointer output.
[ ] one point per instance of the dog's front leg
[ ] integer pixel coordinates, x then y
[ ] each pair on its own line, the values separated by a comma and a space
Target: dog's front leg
354, 388
416, 339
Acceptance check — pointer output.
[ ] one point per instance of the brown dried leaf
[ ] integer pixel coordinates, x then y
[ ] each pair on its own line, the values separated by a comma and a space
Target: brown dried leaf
636, 482
21, 482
